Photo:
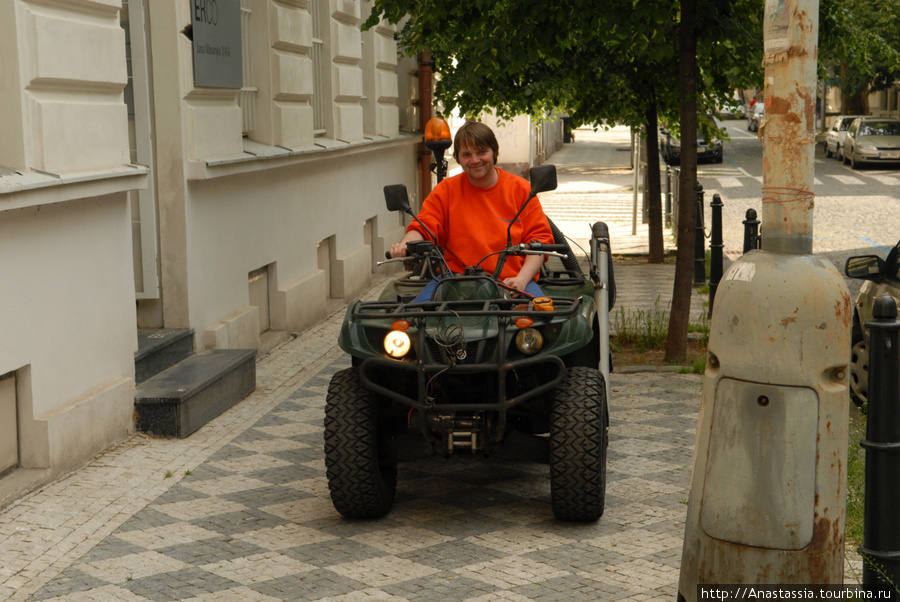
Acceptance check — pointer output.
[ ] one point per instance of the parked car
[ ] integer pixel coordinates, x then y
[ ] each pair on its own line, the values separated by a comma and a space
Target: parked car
834, 137
872, 140
731, 109
755, 115
881, 278
671, 148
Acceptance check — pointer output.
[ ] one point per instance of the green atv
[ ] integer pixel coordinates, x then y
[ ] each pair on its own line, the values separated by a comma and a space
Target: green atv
476, 368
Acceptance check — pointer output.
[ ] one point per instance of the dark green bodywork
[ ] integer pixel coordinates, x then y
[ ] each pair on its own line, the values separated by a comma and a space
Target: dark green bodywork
570, 329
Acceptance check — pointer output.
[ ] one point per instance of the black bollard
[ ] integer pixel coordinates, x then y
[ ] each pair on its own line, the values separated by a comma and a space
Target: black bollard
699, 239
716, 246
881, 526
751, 231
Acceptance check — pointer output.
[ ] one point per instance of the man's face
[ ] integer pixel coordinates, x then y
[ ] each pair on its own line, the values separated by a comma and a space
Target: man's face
478, 165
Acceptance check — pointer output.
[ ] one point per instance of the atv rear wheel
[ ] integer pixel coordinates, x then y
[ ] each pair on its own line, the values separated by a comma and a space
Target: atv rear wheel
578, 441
362, 484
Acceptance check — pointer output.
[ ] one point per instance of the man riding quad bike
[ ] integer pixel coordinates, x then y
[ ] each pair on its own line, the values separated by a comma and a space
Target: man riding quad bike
475, 368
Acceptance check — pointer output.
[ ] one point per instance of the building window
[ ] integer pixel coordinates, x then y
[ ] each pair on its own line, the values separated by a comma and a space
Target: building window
320, 97
247, 98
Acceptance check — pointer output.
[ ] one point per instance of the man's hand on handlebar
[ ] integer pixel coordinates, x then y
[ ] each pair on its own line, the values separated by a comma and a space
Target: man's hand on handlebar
398, 249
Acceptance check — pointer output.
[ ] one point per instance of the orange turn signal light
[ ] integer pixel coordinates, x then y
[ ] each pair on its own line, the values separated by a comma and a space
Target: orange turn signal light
401, 325
543, 304
524, 322
437, 129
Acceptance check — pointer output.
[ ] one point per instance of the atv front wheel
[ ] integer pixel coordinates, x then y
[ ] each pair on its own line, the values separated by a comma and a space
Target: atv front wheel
362, 484
578, 441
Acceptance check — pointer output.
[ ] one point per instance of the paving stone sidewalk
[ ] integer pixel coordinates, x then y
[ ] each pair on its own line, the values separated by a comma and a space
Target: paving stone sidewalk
240, 510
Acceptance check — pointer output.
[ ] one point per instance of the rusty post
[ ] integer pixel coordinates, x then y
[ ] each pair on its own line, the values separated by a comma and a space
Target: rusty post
788, 125
769, 476
881, 522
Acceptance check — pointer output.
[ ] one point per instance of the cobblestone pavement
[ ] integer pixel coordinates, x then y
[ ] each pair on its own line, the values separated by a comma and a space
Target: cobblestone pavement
240, 509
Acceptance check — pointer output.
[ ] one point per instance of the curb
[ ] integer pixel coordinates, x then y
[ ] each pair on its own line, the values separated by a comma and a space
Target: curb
638, 369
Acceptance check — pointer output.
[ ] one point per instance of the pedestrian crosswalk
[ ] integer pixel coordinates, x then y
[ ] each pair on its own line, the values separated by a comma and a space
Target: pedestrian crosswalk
887, 180
729, 182
590, 207
730, 178
853, 181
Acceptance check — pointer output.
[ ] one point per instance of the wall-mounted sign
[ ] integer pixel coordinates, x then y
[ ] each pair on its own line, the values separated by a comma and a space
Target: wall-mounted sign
216, 27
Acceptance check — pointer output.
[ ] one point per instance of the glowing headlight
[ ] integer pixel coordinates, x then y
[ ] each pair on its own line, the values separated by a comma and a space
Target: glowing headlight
529, 341
396, 343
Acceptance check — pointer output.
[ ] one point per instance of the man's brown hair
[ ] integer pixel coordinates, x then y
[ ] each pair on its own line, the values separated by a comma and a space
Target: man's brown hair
475, 135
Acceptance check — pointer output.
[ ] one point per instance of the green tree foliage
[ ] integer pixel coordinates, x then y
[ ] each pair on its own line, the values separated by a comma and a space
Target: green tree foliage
859, 47
609, 62
599, 61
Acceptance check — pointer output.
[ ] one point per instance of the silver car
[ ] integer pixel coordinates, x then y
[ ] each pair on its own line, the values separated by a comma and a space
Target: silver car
872, 140
881, 278
834, 137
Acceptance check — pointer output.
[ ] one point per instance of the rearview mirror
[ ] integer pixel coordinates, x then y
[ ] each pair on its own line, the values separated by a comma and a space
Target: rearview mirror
864, 267
396, 198
543, 178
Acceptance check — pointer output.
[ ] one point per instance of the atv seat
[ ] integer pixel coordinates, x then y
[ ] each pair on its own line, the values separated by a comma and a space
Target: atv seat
560, 278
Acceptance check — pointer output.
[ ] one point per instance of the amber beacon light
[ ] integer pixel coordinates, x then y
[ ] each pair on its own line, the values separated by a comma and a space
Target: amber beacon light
437, 131
437, 140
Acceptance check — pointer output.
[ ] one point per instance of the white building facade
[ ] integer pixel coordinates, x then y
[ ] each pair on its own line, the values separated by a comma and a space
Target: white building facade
132, 196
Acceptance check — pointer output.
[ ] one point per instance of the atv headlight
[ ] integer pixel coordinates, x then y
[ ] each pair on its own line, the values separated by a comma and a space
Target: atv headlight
396, 343
529, 341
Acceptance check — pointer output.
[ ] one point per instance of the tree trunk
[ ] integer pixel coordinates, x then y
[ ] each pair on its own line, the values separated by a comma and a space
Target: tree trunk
654, 190
680, 314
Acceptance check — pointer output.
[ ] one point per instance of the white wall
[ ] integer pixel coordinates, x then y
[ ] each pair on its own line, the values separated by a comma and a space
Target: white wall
277, 217
68, 318
67, 293
230, 205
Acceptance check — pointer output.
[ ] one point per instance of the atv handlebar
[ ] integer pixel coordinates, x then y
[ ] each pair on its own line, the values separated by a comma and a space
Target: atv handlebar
531, 248
539, 247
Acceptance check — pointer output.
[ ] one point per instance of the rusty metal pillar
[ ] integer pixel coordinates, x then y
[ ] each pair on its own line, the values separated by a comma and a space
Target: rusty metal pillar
788, 125
769, 477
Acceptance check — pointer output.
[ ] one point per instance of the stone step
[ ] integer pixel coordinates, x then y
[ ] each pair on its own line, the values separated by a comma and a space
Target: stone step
181, 399
159, 349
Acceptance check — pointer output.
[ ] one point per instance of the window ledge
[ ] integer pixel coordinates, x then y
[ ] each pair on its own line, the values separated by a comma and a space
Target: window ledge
256, 156
30, 188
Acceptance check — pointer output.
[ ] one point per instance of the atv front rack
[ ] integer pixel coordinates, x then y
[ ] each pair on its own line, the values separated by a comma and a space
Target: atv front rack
511, 308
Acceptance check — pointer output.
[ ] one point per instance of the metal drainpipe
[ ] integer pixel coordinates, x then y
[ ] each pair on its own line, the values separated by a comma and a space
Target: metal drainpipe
425, 114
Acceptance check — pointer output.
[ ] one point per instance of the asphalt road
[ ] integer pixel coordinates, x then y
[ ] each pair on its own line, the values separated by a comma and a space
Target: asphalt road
856, 211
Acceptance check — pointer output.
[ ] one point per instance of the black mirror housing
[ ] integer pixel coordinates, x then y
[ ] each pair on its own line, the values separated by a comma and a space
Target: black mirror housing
864, 267
397, 198
543, 178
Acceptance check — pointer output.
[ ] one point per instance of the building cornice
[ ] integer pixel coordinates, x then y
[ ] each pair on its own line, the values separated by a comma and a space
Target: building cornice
20, 189
257, 157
